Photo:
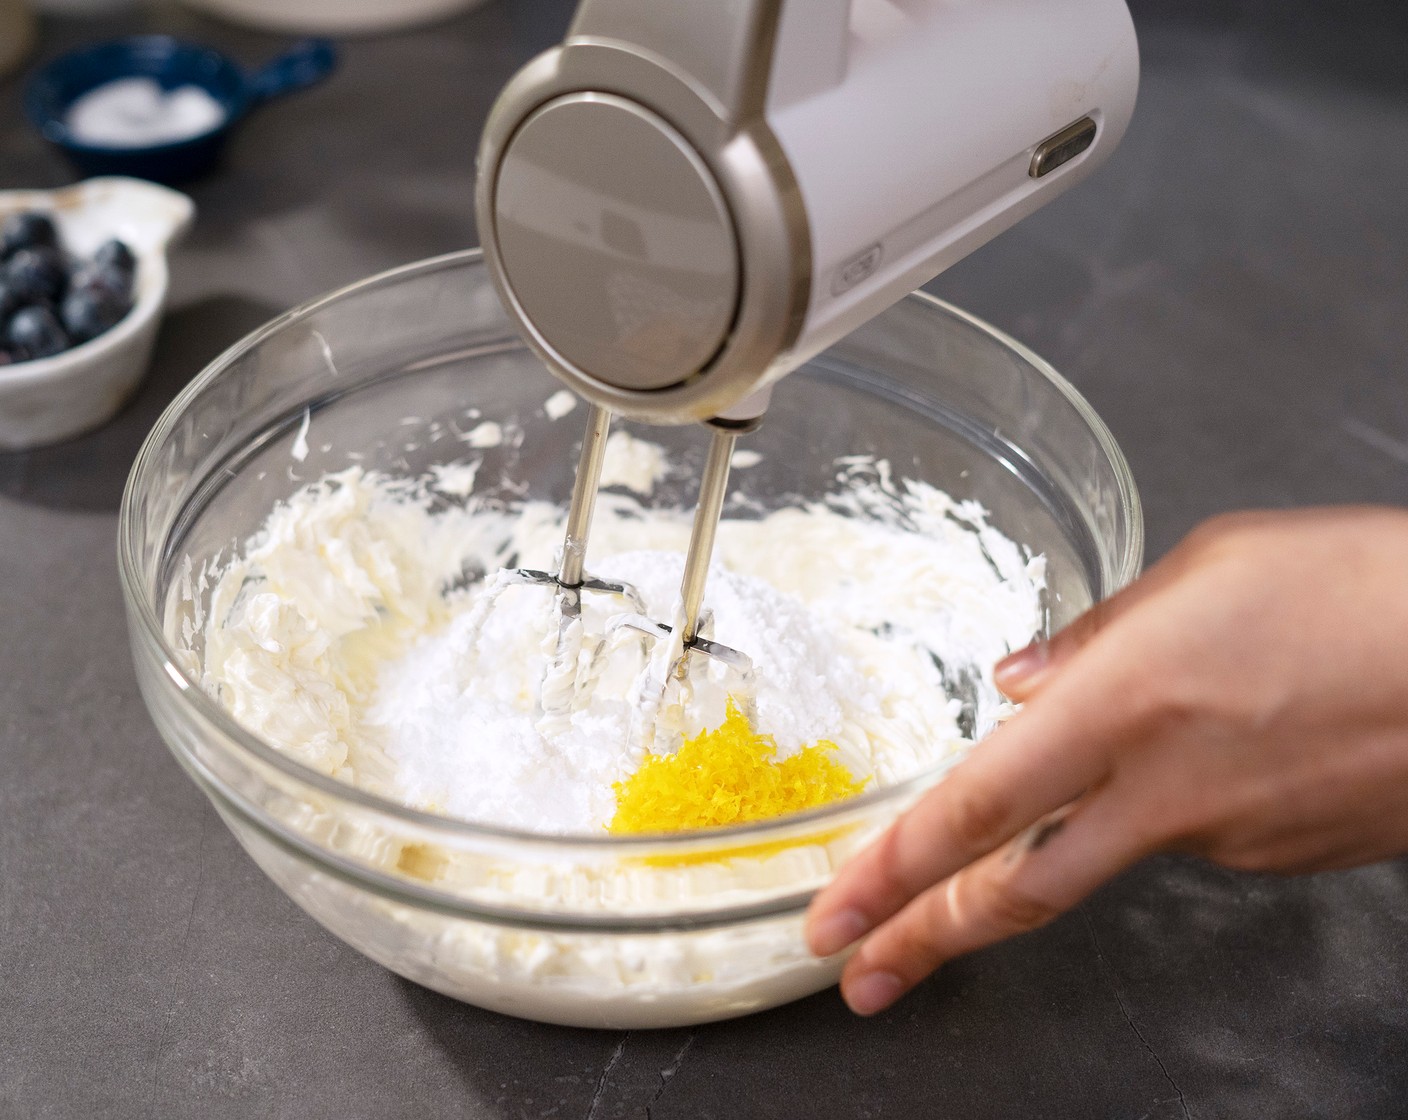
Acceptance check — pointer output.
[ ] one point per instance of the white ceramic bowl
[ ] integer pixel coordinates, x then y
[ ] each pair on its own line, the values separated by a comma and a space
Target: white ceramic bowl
334, 17
51, 399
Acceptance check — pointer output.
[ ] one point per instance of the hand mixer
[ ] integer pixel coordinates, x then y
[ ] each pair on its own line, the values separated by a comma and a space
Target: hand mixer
687, 199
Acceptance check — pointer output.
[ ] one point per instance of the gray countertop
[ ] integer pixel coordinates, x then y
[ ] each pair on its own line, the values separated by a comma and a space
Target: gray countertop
1232, 295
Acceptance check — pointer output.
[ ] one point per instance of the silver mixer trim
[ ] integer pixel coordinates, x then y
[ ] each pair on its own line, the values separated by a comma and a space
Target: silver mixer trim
736, 147
617, 241
726, 49
712, 489
584, 488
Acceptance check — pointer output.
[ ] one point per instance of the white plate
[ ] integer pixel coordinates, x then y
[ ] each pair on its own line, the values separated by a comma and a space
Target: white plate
334, 17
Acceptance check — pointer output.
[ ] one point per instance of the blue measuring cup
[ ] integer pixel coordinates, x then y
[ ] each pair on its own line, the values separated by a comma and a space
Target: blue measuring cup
171, 63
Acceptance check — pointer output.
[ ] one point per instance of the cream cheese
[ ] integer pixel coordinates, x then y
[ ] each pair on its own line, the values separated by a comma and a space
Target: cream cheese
334, 637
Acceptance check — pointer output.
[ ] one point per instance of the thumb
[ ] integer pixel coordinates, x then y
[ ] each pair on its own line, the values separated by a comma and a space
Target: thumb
1021, 674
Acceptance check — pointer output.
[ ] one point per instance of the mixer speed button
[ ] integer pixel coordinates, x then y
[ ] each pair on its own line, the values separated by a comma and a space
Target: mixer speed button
1052, 152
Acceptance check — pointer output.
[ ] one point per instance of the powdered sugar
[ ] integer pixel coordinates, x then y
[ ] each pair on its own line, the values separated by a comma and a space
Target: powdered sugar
346, 636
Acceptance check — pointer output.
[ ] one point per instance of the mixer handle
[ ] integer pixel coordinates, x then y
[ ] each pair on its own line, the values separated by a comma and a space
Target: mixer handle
745, 57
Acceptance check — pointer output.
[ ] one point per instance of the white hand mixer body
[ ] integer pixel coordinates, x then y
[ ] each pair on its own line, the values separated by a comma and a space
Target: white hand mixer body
686, 200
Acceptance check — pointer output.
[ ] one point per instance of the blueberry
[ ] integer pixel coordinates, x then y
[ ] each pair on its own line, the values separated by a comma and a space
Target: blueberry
29, 230
37, 275
35, 333
88, 312
117, 254
10, 301
107, 279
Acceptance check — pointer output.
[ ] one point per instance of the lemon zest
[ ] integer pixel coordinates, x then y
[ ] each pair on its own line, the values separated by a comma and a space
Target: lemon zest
729, 775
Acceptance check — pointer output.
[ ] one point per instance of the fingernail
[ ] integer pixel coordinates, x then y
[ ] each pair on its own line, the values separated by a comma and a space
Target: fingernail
1018, 670
834, 932
873, 992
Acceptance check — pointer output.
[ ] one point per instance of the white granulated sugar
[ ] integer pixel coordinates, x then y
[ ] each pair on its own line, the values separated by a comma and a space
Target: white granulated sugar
138, 113
744, 458
344, 634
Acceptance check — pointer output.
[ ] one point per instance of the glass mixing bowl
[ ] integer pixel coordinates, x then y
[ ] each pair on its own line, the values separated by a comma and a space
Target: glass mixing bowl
584, 930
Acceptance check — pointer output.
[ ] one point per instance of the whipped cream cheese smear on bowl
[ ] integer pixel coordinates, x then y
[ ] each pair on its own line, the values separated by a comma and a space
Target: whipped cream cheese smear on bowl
351, 633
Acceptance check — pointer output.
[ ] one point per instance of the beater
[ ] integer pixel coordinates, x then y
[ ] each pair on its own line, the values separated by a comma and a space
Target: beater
686, 200
571, 579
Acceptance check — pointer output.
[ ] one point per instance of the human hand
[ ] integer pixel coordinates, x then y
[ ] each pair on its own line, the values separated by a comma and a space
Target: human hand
1246, 701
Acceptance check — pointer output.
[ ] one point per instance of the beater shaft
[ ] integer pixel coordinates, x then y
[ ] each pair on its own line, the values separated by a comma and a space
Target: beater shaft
567, 664
579, 513
712, 490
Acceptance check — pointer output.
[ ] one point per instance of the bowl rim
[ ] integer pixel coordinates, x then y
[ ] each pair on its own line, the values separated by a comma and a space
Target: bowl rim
142, 612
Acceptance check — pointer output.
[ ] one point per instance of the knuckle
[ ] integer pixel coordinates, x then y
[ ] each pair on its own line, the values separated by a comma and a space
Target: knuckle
889, 875
1224, 542
1167, 704
976, 821
910, 945
1204, 536
1080, 631
921, 935
1170, 715
1010, 907
1095, 619
1225, 526
936, 912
